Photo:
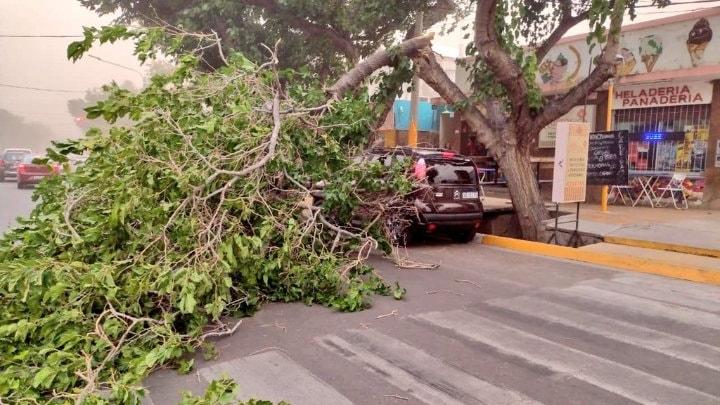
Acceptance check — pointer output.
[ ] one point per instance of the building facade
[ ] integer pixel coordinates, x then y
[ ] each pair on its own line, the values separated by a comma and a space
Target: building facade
665, 95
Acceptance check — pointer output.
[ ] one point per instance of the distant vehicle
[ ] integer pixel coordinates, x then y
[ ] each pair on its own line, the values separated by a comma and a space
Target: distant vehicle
453, 205
9, 161
32, 173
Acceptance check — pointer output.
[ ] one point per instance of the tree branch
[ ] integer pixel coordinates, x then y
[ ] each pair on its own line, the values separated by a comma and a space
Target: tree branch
604, 70
567, 21
380, 58
311, 29
430, 71
505, 70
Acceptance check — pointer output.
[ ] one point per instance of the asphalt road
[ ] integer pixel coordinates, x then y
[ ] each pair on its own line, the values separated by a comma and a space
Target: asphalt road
487, 327
13, 203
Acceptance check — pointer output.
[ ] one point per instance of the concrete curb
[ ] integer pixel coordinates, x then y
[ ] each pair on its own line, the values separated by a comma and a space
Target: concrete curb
635, 264
672, 247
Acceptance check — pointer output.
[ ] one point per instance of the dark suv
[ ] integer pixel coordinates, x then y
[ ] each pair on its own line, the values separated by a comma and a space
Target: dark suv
9, 160
452, 203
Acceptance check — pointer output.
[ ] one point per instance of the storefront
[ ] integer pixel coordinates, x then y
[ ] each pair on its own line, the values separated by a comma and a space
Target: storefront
668, 123
663, 96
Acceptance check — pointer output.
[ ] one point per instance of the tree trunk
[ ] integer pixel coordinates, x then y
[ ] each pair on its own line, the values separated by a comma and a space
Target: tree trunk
529, 206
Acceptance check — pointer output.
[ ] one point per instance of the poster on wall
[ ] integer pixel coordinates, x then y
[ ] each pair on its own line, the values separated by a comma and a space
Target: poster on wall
608, 158
571, 162
717, 154
584, 113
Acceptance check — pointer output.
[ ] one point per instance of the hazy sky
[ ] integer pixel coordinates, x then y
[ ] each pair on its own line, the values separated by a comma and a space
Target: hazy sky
41, 62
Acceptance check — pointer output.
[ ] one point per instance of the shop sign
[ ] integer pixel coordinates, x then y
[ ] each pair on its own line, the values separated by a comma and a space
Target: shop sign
662, 95
571, 160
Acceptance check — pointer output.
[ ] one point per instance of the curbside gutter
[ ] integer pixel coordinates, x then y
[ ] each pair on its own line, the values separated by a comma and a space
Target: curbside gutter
671, 247
635, 264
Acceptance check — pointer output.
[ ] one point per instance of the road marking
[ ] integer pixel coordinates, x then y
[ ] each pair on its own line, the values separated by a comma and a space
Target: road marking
609, 375
671, 345
650, 293
275, 377
412, 370
643, 306
706, 292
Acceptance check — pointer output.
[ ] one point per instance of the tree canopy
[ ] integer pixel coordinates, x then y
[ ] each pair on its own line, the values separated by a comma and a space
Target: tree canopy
326, 37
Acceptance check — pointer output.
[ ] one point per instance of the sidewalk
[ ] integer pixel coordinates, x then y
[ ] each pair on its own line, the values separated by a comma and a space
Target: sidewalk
693, 231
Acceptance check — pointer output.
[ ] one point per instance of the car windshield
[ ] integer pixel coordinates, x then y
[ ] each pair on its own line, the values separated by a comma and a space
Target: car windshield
445, 172
14, 155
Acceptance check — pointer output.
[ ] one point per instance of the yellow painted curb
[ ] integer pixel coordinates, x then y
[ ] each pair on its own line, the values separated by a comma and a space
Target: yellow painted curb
635, 264
672, 247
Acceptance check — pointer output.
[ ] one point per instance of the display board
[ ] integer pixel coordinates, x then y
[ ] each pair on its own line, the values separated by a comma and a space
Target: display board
571, 158
608, 158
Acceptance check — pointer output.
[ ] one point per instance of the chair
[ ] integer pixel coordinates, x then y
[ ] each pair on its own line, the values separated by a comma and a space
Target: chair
618, 190
674, 186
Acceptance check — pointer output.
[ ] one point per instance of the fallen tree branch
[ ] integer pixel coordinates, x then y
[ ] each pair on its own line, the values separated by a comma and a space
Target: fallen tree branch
383, 57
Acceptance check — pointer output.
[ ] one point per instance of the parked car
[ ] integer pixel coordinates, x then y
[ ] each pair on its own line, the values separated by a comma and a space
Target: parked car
32, 173
452, 205
9, 161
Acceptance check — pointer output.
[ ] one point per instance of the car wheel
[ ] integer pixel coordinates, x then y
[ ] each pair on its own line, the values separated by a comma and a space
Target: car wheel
20, 185
2, 178
464, 236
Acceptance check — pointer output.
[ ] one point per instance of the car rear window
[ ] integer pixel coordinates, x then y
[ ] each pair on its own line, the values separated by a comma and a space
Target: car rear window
448, 172
17, 156
29, 158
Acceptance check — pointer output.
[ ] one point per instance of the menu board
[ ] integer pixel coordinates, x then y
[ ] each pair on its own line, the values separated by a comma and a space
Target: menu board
571, 157
608, 158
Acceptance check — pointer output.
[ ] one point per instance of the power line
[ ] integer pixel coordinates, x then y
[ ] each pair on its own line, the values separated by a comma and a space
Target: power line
14, 86
115, 64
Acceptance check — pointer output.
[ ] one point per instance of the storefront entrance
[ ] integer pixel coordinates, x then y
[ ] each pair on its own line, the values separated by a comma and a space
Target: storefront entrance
668, 139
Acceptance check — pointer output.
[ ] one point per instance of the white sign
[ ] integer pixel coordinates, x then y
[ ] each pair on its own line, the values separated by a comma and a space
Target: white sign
586, 113
571, 158
662, 95
717, 154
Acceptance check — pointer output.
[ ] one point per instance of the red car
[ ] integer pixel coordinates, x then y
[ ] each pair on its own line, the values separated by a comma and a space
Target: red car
32, 173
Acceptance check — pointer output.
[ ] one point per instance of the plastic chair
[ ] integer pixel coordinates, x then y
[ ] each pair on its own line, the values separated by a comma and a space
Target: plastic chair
674, 186
618, 190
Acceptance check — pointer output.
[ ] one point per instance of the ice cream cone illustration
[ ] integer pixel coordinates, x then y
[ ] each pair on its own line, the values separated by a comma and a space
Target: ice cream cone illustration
650, 50
698, 39
627, 64
554, 71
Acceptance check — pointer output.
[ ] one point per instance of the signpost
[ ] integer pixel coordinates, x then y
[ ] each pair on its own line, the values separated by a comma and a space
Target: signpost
608, 158
570, 171
571, 156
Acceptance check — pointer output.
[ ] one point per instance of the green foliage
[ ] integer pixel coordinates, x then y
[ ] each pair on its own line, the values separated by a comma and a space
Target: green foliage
325, 36
221, 392
530, 22
126, 262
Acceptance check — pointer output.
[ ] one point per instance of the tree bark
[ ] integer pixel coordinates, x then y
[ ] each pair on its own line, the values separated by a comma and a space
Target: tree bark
500, 139
528, 203
380, 58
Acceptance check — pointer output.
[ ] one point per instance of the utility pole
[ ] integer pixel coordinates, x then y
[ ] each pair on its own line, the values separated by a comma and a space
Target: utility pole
415, 94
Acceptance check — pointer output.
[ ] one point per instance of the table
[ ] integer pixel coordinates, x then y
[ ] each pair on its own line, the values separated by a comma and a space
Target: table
539, 160
649, 178
647, 189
